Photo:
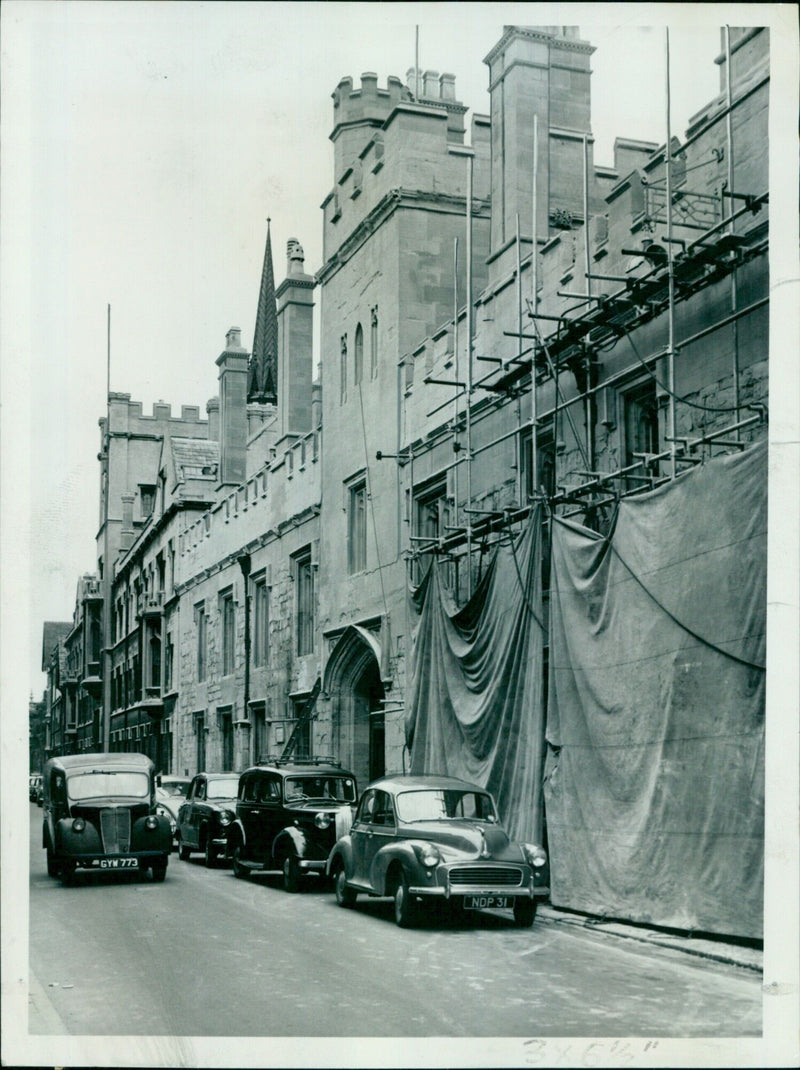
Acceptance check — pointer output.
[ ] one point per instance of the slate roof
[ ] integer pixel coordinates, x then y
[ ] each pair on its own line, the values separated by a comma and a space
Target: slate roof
52, 634
193, 455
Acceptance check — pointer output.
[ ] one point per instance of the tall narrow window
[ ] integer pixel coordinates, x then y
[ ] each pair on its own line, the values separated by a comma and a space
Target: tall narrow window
545, 479
200, 730
302, 748
343, 370
373, 343
169, 657
432, 509
260, 623
227, 622
304, 592
358, 356
226, 737
641, 421
357, 529
201, 634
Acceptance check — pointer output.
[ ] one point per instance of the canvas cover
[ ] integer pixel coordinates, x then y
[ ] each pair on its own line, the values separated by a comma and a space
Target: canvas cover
474, 707
654, 781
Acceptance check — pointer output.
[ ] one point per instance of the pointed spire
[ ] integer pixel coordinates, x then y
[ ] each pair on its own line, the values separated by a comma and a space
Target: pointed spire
262, 383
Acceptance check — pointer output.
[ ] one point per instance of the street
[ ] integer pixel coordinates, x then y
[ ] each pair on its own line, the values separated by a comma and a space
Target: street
205, 954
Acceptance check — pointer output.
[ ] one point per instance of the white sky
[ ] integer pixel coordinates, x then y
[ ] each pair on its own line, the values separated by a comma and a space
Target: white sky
150, 141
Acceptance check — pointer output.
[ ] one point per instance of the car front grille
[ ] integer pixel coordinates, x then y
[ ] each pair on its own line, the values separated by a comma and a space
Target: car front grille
115, 826
507, 876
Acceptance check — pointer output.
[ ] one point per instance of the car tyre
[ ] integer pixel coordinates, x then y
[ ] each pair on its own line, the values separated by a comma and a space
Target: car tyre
405, 907
291, 874
524, 912
159, 871
239, 870
345, 897
67, 873
210, 855
183, 851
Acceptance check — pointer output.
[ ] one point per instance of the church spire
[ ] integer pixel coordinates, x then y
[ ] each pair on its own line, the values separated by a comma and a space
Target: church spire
262, 383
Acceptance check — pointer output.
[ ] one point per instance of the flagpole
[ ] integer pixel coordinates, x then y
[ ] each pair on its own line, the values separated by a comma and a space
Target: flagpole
107, 638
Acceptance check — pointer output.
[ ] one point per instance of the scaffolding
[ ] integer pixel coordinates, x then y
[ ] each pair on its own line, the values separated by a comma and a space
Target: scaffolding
677, 269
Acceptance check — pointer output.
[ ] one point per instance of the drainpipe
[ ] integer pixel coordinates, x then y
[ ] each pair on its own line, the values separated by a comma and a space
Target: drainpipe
244, 565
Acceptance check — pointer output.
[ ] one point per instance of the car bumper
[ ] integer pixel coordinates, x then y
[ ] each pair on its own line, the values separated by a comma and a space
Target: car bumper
453, 881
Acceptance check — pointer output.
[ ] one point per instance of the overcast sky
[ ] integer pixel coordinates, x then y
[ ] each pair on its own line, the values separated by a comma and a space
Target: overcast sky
146, 143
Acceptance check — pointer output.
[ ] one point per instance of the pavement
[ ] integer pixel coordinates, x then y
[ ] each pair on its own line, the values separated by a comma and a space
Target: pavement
717, 949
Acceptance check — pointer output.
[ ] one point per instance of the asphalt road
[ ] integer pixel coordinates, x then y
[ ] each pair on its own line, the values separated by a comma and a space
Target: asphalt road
205, 954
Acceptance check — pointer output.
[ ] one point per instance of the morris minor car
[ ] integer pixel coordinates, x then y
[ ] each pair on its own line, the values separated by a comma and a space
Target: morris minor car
426, 839
206, 816
100, 815
289, 814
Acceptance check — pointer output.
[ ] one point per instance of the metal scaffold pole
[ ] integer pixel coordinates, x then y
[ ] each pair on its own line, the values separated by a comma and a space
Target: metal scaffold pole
470, 160
107, 637
732, 225
534, 307
670, 266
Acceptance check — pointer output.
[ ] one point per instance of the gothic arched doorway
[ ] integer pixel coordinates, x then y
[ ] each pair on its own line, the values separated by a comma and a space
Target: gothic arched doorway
353, 682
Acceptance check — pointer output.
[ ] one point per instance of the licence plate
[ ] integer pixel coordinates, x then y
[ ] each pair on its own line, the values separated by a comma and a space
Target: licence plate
487, 902
115, 863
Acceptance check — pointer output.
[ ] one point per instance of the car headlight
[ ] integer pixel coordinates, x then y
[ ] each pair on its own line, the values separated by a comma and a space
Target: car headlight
322, 821
535, 854
225, 817
78, 825
151, 821
428, 854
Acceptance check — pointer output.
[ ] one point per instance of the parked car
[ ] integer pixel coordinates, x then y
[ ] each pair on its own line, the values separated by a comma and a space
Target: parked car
170, 796
206, 815
289, 814
424, 839
100, 814
35, 790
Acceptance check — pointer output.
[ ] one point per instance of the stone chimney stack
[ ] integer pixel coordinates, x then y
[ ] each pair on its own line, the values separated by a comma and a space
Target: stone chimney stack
127, 532
212, 409
295, 299
232, 364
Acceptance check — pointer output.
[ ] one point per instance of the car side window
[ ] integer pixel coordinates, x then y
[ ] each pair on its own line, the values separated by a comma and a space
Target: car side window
383, 814
367, 808
268, 790
200, 790
248, 788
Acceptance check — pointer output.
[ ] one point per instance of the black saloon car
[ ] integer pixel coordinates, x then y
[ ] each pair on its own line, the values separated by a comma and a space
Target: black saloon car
432, 838
206, 816
289, 814
100, 815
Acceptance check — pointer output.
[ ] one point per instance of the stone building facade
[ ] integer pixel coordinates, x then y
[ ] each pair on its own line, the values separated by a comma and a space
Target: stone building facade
265, 552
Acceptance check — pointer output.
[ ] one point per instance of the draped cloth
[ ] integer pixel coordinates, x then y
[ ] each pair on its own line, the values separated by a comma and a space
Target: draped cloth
474, 707
654, 782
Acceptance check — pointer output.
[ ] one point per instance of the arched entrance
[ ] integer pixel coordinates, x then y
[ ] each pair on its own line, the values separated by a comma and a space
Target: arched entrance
353, 682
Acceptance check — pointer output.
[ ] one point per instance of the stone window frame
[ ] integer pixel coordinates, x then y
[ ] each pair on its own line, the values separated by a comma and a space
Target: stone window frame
227, 631
305, 610
357, 500
358, 355
261, 616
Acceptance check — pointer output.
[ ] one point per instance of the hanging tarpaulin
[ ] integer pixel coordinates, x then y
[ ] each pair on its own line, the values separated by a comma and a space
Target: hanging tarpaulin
474, 707
654, 784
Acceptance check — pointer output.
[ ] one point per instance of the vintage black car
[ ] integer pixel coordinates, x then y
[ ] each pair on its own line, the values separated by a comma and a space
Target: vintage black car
206, 816
100, 815
289, 814
433, 839
35, 789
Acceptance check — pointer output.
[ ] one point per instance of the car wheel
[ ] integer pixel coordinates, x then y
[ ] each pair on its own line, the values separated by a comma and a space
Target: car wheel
183, 851
345, 897
159, 871
524, 912
291, 874
67, 872
405, 907
210, 855
53, 867
239, 870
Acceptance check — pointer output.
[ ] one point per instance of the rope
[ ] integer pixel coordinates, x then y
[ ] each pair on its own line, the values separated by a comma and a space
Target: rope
522, 586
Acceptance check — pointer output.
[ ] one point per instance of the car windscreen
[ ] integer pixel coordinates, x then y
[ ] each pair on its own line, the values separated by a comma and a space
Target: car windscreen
437, 804
95, 784
180, 788
223, 789
332, 788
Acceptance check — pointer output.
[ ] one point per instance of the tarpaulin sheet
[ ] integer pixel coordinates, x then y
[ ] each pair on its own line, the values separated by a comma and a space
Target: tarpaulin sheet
654, 782
474, 708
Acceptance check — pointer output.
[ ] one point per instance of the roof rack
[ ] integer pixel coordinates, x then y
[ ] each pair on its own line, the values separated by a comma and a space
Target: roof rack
276, 759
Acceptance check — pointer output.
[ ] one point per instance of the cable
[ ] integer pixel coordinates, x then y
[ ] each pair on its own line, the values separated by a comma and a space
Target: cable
674, 619
522, 587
